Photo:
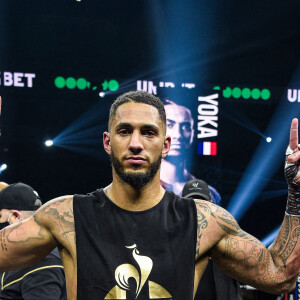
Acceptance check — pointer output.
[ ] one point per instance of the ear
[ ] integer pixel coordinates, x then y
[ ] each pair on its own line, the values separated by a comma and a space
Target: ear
106, 142
16, 216
167, 145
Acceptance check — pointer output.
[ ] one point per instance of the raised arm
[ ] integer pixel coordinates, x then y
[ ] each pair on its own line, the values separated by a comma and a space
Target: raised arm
29, 241
246, 259
241, 255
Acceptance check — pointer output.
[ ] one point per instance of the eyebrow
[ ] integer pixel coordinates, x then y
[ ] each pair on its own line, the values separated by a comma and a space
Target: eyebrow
181, 123
171, 121
145, 126
150, 126
123, 125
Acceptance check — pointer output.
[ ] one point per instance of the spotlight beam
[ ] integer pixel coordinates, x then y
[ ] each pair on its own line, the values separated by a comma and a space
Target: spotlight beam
268, 240
266, 159
243, 122
262, 166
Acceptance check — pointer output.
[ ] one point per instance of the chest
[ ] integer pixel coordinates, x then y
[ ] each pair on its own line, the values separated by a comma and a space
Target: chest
124, 255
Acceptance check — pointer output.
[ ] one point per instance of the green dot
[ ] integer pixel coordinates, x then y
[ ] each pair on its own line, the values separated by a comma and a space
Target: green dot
81, 83
59, 82
246, 93
113, 85
255, 94
236, 92
265, 94
70, 83
227, 92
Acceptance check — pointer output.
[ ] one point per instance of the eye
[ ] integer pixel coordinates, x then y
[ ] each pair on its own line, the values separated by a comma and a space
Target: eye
170, 126
186, 127
149, 133
123, 131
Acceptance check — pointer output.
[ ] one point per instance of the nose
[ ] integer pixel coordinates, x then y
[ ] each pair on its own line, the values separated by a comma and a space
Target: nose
176, 132
136, 144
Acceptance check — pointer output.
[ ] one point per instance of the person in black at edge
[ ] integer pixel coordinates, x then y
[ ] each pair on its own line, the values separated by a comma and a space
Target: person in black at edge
134, 240
44, 280
214, 284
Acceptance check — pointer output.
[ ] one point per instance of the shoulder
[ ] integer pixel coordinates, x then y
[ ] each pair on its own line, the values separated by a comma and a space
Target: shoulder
56, 214
216, 214
54, 207
59, 202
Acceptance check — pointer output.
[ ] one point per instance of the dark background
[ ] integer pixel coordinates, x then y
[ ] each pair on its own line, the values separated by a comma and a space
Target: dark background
231, 43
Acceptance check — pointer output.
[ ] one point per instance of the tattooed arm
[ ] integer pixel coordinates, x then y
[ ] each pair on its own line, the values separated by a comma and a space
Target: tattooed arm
245, 258
29, 241
241, 255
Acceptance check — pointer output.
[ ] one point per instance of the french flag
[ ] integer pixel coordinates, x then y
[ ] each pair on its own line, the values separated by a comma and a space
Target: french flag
207, 148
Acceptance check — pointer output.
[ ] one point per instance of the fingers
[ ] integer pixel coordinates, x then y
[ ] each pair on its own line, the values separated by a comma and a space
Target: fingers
293, 158
294, 135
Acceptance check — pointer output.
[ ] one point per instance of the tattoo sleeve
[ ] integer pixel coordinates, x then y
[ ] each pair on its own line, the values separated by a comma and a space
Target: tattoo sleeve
60, 216
245, 258
27, 242
287, 239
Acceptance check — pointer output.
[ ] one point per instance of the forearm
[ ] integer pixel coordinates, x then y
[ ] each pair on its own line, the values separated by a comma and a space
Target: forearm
243, 257
285, 250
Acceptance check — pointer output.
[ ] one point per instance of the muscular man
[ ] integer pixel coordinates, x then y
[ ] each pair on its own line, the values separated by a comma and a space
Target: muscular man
174, 173
133, 239
45, 279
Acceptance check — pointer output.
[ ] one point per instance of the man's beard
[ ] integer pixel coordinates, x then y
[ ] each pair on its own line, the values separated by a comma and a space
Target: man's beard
135, 179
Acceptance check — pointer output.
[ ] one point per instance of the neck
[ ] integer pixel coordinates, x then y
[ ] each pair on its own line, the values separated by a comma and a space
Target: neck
132, 198
173, 170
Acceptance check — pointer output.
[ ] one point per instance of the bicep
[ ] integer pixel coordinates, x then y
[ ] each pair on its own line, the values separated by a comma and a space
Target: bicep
240, 250
237, 253
24, 243
245, 258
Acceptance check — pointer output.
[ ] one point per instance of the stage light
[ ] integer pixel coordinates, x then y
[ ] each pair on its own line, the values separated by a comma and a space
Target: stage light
262, 165
49, 143
269, 139
265, 162
101, 94
3, 167
82, 136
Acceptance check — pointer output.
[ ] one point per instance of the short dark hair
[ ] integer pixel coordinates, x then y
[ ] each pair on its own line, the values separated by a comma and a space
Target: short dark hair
138, 97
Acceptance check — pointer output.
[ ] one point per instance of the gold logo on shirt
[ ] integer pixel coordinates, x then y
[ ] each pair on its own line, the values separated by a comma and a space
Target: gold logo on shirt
126, 272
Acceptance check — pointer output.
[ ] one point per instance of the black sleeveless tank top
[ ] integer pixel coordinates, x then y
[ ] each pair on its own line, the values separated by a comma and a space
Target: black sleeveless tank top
135, 255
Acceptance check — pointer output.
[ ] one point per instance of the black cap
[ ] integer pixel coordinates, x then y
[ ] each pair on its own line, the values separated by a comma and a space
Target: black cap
19, 196
196, 189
